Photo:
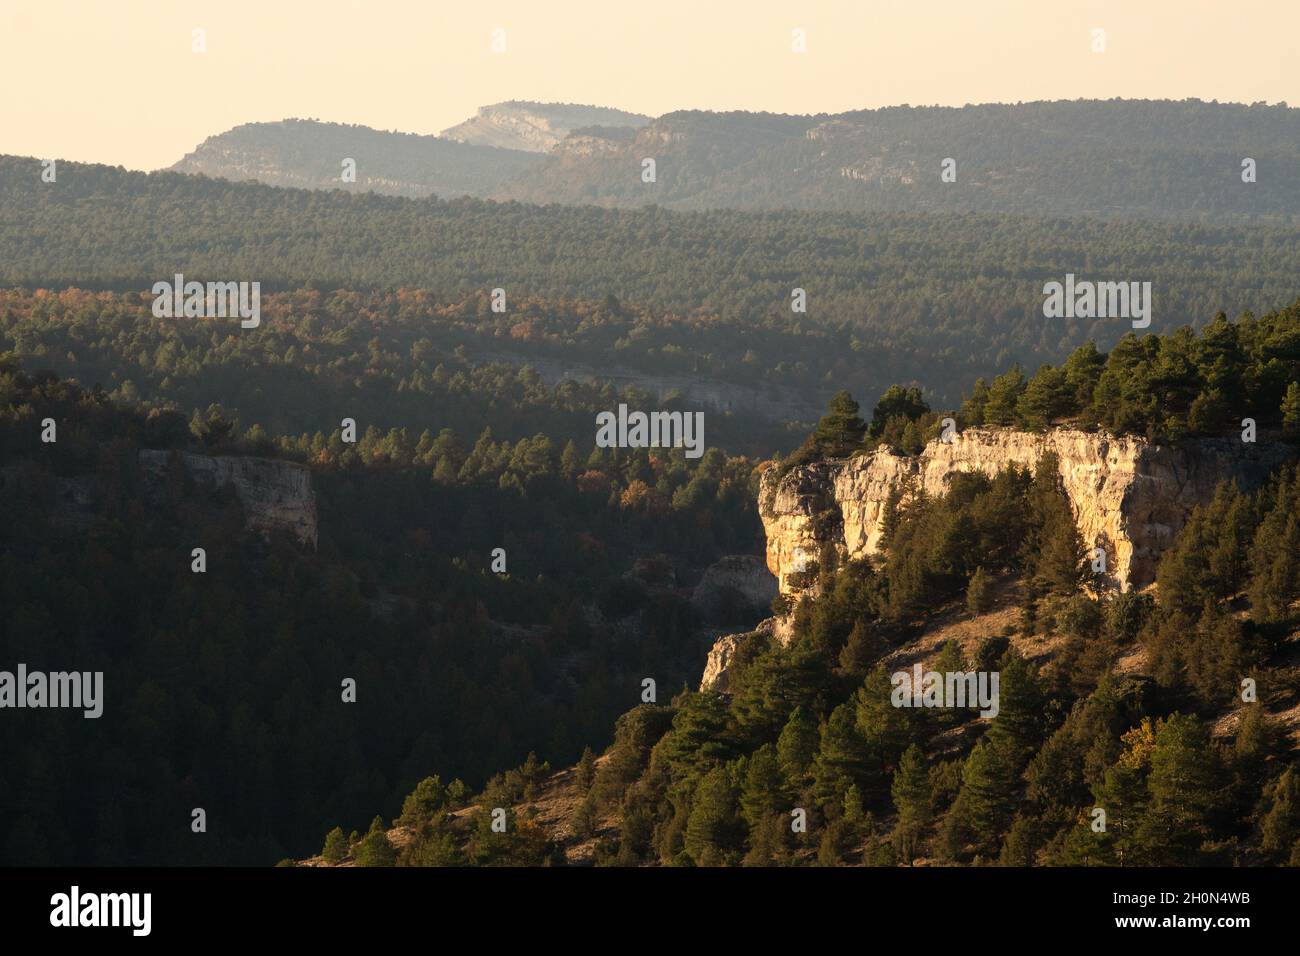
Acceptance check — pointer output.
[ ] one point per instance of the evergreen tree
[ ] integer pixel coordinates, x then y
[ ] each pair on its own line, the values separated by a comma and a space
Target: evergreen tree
987, 799
1004, 398
979, 592
586, 769
1291, 412
713, 828
1280, 826
842, 759
763, 794
376, 849
1184, 783
898, 402
840, 431
971, 414
1021, 843
796, 747
913, 800
336, 846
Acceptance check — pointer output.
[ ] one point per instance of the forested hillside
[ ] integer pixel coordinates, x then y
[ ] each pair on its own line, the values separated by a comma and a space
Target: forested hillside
403, 359
934, 300
1113, 159
222, 688
1174, 711
309, 154
1162, 387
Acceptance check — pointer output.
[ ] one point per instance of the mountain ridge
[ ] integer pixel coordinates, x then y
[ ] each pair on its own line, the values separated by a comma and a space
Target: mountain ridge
1140, 159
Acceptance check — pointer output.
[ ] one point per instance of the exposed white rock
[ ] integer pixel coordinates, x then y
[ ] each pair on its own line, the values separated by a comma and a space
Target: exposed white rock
720, 655
535, 127
1129, 496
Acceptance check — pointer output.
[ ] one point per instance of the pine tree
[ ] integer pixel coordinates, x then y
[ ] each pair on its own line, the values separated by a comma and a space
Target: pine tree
840, 431
842, 758
713, 827
912, 799
434, 845
1021, 843
796, 747
1018, 727
988, 793
1291, 412
427, 798
1280, 826
762, 793
862, 649
376, 849
979, 592
570, 460
971, 413
1004, 397
586, 770
770, 842
336, 846
1053, 551
897, 402
884, 728
1184, 784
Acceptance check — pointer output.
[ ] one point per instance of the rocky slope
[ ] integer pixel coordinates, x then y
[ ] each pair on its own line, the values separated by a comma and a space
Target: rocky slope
536, 127
1130, 496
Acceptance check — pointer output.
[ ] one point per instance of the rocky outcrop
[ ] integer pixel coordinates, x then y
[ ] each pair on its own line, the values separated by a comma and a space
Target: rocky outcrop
275, 495
719, 660
1129, 496
536, 127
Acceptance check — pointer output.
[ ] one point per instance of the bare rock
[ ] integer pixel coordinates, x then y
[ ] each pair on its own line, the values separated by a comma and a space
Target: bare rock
276, 495
1130, 496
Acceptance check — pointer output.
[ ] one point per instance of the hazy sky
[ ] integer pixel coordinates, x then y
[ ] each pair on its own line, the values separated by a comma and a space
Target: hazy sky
115, 81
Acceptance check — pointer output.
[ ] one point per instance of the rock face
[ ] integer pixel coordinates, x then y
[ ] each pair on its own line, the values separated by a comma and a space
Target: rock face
1129, 496
722, 655
276, 495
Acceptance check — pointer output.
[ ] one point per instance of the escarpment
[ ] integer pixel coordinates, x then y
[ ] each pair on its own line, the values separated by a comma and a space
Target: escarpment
275, 494
1130, 496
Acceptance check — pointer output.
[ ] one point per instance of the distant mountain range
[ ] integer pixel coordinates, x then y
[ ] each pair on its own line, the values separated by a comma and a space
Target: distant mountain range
1105, 159
475, 158
309, 154
1114, 159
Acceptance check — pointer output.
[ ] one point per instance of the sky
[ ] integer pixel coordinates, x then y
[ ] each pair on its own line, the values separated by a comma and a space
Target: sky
118, 81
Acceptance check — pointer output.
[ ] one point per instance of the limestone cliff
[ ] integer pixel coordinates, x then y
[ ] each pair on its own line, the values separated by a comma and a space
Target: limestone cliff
1129, 496
275, 494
